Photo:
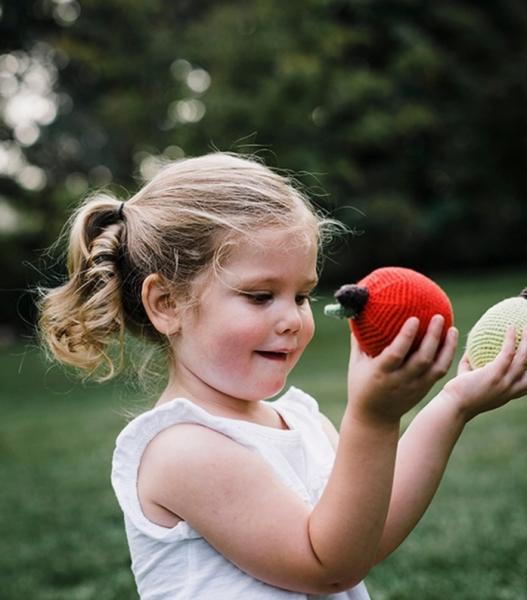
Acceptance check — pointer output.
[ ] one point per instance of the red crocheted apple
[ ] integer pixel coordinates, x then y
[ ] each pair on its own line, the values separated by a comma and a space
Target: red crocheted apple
378, 305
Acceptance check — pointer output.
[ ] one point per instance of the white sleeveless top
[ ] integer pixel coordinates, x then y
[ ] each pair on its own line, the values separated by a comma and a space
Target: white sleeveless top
178, 563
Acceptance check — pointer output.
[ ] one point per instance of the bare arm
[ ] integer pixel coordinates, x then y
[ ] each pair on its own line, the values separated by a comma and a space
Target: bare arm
243, 510
422, 457
237, 503
380, 392
428, 442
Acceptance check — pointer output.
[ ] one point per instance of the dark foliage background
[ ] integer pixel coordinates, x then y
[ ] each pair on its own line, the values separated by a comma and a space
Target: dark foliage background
405, 119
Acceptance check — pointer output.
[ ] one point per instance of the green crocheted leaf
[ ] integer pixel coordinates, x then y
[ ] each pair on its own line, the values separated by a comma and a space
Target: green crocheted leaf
338, 311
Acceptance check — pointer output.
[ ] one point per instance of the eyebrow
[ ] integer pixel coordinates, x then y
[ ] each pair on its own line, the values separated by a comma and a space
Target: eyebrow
311, 283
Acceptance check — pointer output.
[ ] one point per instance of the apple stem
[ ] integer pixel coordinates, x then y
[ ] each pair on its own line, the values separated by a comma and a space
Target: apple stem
352, 298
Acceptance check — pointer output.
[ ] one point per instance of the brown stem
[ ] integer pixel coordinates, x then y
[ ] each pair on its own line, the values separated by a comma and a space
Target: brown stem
353, 298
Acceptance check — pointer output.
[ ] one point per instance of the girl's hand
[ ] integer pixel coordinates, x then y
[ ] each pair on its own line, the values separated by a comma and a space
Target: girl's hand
385, 387
489, 387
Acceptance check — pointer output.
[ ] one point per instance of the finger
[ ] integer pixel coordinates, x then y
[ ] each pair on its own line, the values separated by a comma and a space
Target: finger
393, 356
356, 351
503, 361
519, 363
424, 358
519, 383
519, 387
354, 348
447, 352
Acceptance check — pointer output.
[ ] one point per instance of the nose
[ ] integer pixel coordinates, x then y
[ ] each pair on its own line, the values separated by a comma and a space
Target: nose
290, 319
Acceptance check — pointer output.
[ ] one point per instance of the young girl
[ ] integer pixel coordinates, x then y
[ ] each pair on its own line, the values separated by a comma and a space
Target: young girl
226, 495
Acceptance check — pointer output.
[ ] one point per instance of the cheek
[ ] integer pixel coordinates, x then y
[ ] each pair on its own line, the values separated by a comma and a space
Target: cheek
226, 342
308, 328
308, 331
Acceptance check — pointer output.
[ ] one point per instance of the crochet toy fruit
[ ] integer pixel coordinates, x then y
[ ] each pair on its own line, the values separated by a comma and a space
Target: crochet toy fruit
378, 305
486, 337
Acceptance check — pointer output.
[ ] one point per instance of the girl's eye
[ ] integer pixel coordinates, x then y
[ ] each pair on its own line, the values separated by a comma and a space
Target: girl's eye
265, 297
259, 297
304, 299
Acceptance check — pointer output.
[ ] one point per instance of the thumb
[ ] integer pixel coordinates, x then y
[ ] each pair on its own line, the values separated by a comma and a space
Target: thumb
356, 351
464, 365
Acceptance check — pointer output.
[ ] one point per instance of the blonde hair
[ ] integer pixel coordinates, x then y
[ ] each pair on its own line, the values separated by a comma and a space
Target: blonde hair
178, 225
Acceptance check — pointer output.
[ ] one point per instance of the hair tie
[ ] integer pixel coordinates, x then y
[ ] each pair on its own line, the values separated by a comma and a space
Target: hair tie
120, 213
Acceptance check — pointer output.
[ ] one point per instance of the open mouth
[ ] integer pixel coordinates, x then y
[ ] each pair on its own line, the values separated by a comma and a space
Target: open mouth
278, 356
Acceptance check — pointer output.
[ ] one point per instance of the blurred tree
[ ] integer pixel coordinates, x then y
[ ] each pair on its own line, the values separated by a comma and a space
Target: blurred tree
83, 103
411, 112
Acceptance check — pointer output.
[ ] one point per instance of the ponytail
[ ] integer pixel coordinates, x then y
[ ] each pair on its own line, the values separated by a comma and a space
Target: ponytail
80, 319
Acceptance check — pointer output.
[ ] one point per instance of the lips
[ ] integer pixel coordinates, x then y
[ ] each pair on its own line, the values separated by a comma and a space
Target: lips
273, 355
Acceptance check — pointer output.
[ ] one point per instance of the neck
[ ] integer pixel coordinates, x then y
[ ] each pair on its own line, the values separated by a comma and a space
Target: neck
219, 404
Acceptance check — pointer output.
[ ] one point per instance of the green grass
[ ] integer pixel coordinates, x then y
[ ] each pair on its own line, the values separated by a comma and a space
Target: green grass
62, 532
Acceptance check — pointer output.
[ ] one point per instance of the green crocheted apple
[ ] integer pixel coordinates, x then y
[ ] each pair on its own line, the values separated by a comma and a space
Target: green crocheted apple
486, 337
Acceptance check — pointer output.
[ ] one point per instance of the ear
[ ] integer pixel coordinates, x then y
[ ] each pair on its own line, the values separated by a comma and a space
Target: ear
159, 304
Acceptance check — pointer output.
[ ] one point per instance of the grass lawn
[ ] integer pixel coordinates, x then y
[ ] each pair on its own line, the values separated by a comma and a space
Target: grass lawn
62, 532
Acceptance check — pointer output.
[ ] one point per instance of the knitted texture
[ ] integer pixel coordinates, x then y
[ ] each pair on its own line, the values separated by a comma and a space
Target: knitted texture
394, 295
486, 338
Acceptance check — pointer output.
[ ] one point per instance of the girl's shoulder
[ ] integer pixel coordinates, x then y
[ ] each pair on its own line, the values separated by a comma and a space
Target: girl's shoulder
161, 452
139, 432
174, 421
143, 428
171, 429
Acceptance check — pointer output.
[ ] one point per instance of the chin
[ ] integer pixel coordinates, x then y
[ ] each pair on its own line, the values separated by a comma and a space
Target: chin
259, 392
272, 390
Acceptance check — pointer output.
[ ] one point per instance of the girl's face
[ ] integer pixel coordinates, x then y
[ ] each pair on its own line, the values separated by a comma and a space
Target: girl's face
253, 320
